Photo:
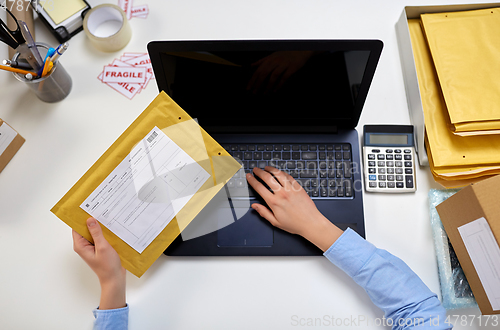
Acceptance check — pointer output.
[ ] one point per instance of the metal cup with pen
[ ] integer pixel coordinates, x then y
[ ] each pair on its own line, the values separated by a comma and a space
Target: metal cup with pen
52, 87
49, 80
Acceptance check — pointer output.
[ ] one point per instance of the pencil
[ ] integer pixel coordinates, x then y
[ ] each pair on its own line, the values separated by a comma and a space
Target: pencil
11, 69
46, 67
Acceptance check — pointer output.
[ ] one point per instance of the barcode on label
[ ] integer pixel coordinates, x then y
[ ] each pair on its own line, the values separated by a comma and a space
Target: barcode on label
152, 137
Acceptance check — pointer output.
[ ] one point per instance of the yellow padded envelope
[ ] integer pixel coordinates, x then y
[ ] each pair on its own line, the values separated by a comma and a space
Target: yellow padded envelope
165, 114
465, 48
446, 148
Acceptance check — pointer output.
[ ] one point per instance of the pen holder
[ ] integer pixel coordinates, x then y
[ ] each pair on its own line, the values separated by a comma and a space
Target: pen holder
55, 86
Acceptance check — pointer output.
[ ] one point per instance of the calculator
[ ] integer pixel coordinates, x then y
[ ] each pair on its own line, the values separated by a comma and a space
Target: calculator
389, 158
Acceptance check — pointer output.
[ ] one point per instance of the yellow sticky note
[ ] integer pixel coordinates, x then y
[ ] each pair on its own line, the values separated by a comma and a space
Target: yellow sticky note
60, 10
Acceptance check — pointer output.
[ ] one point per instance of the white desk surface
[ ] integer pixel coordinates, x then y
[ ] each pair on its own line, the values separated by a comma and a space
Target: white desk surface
45, 285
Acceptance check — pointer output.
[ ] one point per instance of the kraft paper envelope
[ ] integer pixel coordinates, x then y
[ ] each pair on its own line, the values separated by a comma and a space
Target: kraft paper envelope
460, 176
465, 47
165, 114
446, 148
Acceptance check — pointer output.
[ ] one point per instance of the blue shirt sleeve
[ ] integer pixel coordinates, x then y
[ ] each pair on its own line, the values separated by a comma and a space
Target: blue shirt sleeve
389, 282
111, 319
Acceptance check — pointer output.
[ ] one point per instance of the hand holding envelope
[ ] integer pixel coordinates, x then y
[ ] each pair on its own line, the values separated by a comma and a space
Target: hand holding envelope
104, 186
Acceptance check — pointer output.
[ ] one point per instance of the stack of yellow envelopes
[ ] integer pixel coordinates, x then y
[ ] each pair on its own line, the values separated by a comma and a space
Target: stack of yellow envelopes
457, 56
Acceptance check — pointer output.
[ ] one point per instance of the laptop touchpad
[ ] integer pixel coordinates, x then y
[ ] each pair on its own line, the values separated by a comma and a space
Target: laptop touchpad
248, 231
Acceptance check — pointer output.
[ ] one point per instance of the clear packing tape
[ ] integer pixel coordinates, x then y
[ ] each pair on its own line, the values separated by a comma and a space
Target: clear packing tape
454, 160
165, 114
455, 290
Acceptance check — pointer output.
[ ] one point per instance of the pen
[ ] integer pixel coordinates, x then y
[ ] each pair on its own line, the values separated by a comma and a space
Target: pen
50, 52
11, 69
59, 51
47, 67
17, 64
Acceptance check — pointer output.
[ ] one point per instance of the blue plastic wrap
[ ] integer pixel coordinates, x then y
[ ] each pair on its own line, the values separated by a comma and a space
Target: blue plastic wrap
455, 289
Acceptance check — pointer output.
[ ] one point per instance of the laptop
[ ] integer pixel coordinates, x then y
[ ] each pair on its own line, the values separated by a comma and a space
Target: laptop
291, 104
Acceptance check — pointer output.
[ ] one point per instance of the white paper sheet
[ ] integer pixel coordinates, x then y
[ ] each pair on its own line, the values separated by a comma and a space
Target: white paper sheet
146, 190
485, 255
7, 135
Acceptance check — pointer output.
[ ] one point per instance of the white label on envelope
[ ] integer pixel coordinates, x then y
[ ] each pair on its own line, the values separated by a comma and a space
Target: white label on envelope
146, 190
124, 74
7, 135
485, 255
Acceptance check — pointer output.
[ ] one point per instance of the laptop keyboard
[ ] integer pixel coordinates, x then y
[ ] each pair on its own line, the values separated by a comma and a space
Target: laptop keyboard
323, 170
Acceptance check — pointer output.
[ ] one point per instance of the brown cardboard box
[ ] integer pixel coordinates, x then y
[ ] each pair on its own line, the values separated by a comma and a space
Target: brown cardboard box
10, 146
478, 200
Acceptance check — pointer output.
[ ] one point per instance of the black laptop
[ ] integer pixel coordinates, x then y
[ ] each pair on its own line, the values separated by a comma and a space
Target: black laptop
291, 104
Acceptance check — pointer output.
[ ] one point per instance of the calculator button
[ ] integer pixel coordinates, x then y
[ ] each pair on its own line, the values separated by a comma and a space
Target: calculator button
407, 151
407, 157
399, 171
408, 164
399, 164
399, 178
391, 185
380, 164
390, 164
372, 170
400, 185
381, 184
346, 155
372, 177
371, 156
376, 150
390, 178
408, 171
381, 170
390, 171
398, 157
346, 147
373, 185
337, 147
389, 157
380, 156
409, 181
372, 163
389, 151
398, 151
381, 177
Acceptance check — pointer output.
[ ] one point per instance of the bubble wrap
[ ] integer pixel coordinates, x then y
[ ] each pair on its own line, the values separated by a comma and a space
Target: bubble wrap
455, 290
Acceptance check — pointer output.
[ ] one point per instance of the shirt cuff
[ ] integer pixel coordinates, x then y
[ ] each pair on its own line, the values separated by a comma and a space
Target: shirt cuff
111, 318
350, 252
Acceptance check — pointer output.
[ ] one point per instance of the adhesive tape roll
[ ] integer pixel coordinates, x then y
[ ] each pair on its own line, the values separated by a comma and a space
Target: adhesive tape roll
107, 27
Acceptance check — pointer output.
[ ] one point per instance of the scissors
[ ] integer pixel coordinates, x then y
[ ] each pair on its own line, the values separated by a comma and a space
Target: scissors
13, 38
16, 40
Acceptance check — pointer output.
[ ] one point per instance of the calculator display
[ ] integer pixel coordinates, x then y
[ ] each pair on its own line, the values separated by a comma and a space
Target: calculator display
391, 139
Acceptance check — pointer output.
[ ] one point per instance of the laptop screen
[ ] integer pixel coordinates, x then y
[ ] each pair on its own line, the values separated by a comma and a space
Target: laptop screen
267, 83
